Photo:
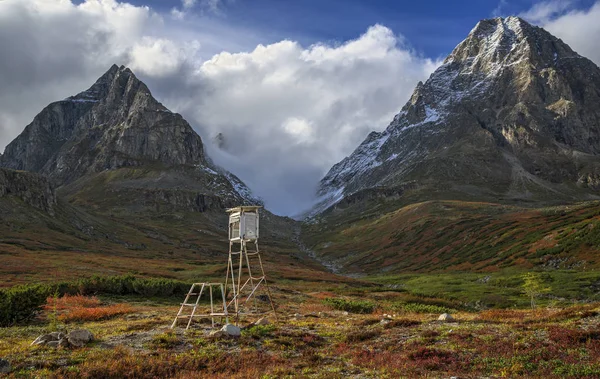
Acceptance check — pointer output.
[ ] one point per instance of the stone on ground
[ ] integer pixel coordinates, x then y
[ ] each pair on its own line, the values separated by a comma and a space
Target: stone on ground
263, 321
79, 337
446, 317
4, 366
227, 330
45, 339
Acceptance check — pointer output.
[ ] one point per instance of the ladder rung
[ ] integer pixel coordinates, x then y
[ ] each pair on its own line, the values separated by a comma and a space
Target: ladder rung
209, 315
189, 305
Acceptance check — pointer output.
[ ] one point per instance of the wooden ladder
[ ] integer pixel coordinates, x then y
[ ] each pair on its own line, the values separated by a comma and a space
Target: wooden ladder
197, 290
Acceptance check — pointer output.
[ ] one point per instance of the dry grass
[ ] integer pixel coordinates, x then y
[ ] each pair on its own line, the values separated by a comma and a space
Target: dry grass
516, 343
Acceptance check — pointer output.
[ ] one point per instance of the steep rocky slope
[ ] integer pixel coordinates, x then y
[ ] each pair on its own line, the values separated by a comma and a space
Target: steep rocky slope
512, 115
32, 189
117, 130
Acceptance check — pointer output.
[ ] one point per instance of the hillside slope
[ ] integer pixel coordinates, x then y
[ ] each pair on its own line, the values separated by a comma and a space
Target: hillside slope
446, 236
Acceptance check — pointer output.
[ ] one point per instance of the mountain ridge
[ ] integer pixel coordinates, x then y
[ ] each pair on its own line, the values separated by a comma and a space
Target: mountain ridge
511, 113
117, 124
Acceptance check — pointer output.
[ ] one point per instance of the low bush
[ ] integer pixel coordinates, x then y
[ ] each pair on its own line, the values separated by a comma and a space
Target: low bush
362, 335
401, 323
259, 331
353, 306
20, 303
166, 340
426, 308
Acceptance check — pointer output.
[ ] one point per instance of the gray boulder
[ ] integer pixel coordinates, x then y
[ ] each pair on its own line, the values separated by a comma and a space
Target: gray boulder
45, 339
447, 317
228, 330
4, 366
263, 321
80, 337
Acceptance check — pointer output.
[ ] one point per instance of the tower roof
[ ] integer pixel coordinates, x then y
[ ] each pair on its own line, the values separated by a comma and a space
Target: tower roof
244, 208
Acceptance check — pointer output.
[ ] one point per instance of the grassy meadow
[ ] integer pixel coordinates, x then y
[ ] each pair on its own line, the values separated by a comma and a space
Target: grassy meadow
124, 281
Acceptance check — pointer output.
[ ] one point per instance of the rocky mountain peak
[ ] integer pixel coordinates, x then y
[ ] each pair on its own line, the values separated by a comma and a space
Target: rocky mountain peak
115, 123
118, 124
120, 88
498, 35
510, 104
498, 42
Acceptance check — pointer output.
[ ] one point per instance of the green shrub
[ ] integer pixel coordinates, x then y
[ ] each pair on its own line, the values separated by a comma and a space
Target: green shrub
258, 331
20, 303
353, 306
165, 340
426, 308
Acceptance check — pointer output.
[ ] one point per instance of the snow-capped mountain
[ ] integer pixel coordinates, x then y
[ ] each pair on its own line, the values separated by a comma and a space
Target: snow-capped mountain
512, 114
118, 124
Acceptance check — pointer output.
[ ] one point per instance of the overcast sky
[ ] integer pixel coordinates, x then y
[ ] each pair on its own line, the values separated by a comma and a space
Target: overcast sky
294, 86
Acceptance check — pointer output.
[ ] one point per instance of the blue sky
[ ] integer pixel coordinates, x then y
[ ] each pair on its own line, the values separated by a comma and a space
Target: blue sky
305, 81
432, 28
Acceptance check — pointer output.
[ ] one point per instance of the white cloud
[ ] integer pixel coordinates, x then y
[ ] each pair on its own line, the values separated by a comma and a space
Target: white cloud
159, 57
288, 112
546, 10
499, 10
187, 4
580, 29
299, 129
177, 14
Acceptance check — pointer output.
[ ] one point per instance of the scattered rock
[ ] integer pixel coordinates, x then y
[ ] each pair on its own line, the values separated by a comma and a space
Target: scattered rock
263, 321
76, 338
44, 339
264, 298
446, 317
4, 366
385, 321
297, 315
80, 337
227, 330
484, 280
345, 313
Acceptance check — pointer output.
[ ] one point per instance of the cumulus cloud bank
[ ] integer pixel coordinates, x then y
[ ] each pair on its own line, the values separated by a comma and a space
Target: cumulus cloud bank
291, 112
286, 112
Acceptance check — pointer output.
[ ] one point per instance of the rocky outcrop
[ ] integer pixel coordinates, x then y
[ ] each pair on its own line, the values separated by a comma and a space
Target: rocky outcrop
75, 338
33, 189
228, 330
4, 366
513, 114
115, 123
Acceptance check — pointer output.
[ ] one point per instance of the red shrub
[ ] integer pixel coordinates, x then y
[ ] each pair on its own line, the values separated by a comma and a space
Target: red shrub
82, 308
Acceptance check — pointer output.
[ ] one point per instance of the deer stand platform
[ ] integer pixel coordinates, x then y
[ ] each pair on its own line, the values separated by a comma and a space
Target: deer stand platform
245, 271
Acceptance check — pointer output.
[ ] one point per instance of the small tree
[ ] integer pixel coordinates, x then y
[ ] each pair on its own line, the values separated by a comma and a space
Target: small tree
533, 286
